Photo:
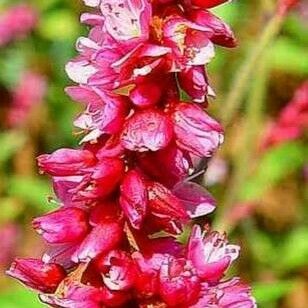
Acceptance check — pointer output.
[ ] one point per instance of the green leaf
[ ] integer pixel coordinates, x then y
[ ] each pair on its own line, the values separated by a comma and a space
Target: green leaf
294, 250
31, 190
269, 292
13, 62
19, 298
287, 55
263, 248
297, 28
10, 209
45, 5
276, 164
59, 25
10, 142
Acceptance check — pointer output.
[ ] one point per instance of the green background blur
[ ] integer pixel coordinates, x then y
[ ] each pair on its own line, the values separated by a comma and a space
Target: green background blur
274, 238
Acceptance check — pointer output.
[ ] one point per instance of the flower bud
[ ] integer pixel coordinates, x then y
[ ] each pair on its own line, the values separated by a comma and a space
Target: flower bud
62, 226
147, 130
194, 82
65, 162
134, 199
196, 131
103, 238
36, 274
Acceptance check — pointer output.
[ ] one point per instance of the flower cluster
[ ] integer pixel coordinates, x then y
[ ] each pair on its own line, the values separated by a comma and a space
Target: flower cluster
16, 23
292, 122
127, 193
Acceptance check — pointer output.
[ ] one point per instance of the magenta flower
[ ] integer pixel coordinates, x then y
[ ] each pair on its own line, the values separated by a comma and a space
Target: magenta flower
174, 164
147, 130
65, 162
118, 270
231, 293
211, 255
62, 226
127, 192
179, 283
75, 295
195, 131
193, 81
101, 239
220, 33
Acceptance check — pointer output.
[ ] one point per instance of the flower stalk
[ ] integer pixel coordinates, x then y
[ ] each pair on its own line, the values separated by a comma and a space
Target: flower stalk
124, 195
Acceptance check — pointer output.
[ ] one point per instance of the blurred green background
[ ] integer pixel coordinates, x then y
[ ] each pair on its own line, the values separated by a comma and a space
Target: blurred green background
262, 195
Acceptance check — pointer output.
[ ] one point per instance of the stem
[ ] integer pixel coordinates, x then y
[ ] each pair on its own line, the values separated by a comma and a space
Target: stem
249, 145
238, 88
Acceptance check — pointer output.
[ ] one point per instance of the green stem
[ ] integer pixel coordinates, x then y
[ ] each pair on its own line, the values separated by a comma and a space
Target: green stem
242, 78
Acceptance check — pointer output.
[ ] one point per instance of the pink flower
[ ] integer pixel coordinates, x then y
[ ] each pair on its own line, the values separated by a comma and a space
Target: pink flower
211, 255
105, 113
118, 270
127, 20
193, 81
37, 274
75, 295
146, 94
77, 178
195, 131
16, 23
103, 238
147, 130
174, 164
179, 283
10, 233
66, 162
292, 121
29, 92
220, 34
189, 42
231, 293
62, 226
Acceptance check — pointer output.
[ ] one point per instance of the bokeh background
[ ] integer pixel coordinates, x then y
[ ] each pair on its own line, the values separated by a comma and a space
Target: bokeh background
260, 182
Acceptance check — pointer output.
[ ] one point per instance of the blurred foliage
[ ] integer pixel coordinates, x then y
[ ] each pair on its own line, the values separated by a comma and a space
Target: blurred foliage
276, 164
274, 238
